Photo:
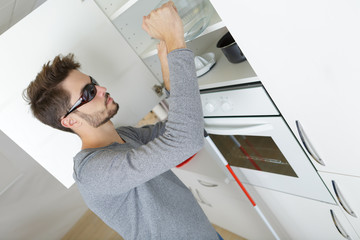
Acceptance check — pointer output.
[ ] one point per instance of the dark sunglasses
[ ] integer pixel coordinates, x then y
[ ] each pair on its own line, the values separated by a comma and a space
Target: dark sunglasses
88, 93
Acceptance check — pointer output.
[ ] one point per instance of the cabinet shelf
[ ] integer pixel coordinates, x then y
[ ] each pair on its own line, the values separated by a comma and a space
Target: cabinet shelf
126, 5
127, 18
126, 15
215, 24
225, 73
113, 9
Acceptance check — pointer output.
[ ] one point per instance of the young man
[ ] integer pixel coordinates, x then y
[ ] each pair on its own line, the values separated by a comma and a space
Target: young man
124, 174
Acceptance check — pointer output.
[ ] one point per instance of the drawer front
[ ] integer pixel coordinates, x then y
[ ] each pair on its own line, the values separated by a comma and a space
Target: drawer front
345, 191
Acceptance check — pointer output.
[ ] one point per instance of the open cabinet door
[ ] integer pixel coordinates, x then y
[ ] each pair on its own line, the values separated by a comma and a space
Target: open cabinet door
62, 27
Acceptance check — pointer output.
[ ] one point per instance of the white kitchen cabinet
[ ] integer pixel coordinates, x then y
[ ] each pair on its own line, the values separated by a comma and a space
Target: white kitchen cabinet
308, 70
102, 52
306, 55
345, 190
307, 219
115, 60
225, 205
254, 44
127, 18
299, 74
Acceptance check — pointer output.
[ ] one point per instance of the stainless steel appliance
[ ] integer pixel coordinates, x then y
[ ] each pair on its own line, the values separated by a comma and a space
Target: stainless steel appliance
249, 133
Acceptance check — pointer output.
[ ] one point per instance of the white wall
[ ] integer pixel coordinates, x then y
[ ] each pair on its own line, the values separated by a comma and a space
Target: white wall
36, 206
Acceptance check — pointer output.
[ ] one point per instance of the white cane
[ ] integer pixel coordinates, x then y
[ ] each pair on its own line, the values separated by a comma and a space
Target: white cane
258, 210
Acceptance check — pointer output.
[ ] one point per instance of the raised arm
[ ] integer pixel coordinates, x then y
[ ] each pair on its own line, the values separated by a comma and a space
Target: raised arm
181, 137
162, 53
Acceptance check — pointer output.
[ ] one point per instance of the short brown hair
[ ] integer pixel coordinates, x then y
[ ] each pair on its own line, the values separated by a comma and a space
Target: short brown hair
47, 99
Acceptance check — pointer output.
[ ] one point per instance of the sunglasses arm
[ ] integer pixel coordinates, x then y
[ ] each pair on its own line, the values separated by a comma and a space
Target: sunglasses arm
76, 105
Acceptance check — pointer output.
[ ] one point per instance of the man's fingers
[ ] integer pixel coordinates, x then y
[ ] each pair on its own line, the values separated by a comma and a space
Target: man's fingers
144, 24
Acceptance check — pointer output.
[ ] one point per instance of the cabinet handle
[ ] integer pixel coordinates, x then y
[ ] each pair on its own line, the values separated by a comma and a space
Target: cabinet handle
206, 184
338, 225
342, 200
202, 199
308, 146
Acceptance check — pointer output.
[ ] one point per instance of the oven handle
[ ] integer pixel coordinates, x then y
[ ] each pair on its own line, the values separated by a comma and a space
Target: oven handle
238, 129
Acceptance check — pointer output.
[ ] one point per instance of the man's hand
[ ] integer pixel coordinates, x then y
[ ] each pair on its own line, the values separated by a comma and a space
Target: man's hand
165, 24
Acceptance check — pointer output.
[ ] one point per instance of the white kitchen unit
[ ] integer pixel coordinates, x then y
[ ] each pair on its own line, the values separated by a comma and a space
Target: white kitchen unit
307, 219
306, 54
225, 205
127, 18
245, 127
347, 194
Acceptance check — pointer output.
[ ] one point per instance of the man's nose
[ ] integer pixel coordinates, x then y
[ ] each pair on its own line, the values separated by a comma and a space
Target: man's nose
101, 90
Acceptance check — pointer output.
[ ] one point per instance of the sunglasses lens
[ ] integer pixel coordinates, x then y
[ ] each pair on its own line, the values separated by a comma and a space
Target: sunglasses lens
89, 92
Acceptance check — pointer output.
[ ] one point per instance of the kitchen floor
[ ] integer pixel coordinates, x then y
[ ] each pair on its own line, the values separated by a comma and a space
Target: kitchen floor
90, 227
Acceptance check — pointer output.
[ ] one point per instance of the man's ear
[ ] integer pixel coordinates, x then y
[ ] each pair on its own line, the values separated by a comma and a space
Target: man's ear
70, 122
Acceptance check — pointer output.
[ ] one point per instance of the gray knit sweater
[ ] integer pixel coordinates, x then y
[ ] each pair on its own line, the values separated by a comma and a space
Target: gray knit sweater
130, 187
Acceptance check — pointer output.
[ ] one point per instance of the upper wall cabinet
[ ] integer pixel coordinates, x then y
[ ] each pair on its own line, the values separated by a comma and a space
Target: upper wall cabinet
62, 27
127, 18
306, 54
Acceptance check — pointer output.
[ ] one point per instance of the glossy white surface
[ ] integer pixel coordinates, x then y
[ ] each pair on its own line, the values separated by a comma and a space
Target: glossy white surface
306, 55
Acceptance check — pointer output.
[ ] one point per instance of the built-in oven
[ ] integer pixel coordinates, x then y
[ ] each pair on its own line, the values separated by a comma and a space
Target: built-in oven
245, 129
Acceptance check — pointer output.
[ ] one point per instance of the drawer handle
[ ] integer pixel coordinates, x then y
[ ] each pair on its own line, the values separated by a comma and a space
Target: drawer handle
308, 146
206, 184
202, 200
338, 225
342, 200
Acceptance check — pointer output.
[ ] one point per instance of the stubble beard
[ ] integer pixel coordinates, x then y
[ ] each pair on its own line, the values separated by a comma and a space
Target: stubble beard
97, 119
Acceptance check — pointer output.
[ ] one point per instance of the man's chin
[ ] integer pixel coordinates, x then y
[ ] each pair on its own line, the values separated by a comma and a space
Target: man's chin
111, 114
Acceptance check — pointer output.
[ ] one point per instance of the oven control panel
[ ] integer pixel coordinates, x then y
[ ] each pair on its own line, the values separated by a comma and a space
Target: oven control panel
251, 101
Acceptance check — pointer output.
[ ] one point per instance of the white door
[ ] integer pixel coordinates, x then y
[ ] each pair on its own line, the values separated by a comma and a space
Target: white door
61, 27
303, 218
306, 54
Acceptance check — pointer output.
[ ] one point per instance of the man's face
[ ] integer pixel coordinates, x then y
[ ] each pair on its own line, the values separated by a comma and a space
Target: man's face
96, 112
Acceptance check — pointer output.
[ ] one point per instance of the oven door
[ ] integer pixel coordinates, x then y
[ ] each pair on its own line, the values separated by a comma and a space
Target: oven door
263, 152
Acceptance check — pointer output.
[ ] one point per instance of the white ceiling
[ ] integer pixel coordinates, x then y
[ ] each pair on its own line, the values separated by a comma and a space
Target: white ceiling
12, 11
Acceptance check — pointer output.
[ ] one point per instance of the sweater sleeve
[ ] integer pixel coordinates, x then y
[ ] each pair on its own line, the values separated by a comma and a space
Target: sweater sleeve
119, 171
145, 133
